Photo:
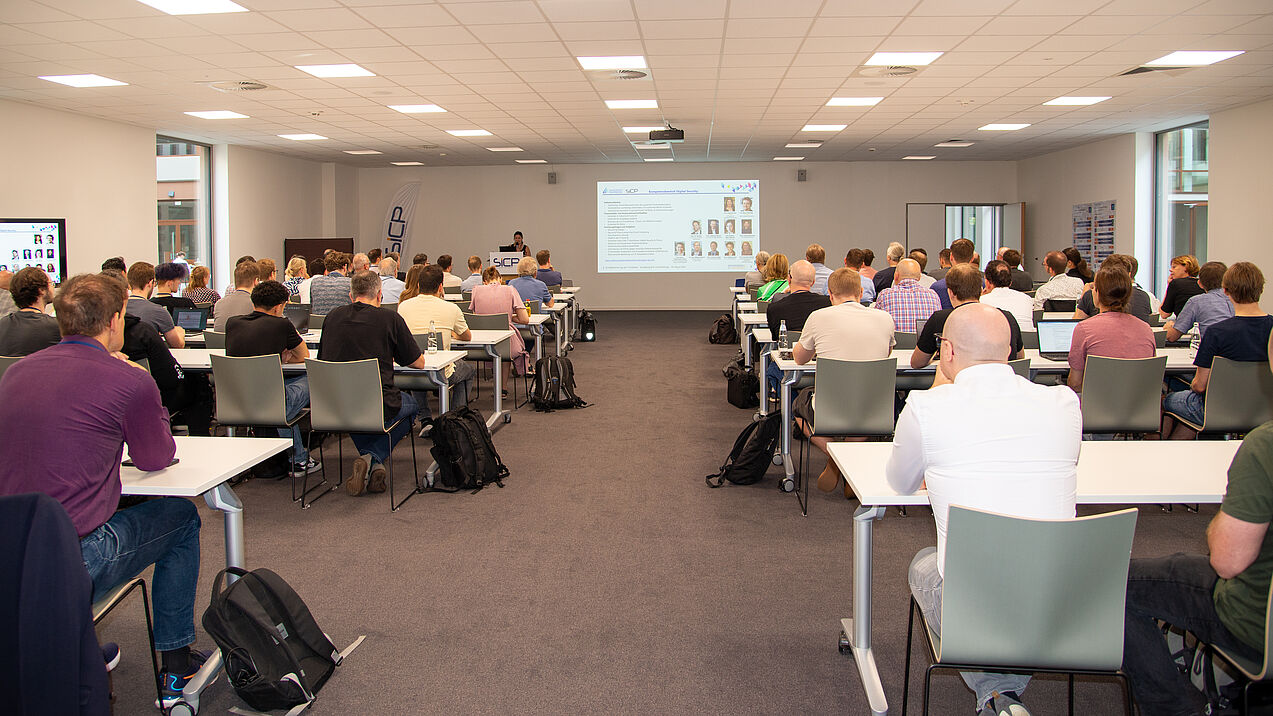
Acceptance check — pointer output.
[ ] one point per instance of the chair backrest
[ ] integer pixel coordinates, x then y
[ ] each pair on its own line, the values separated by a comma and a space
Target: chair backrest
6, 361
753, 291
534, 306
451, 289
1059, 606
1154, 319
422, 340
1239, 396
1066, 305
213, 339
1021, 367
905, 341
316, 321
464, 306
487, 321
555, 288
762, 307
206, 305
466, 295
390, 306
1030, 339
854, 397
567, 282
144, 363
343, 396
1160, 339
249, 390
1122, 395
1038, 316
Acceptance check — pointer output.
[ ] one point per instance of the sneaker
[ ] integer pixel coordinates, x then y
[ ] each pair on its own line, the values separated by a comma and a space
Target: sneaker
110, 654
308, 468
376, 483
174, 685
428, 428
358, 480
1009, 704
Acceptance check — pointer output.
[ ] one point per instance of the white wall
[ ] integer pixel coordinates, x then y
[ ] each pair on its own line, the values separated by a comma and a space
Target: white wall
272, 197
1051, 184
99, 175
471, 210
1240, 223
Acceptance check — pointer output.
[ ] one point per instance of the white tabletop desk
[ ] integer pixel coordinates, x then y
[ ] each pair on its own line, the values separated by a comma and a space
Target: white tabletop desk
561, 312
571, 313
490, 341
199, 360
198, 340
536, 326
749, 323
1109, 473
1178, 361
748, 306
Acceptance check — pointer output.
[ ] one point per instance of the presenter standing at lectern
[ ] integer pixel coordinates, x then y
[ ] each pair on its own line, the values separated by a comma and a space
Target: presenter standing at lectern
517, 245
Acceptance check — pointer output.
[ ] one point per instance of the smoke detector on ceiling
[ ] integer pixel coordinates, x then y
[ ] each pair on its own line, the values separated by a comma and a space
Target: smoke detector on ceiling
888, 71
237, 86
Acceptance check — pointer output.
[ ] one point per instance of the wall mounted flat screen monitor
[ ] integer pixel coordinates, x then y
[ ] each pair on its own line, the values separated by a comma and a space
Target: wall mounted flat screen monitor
34, 242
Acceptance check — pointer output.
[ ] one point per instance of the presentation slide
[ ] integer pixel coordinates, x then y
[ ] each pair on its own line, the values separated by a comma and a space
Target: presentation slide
37, 243
658, 226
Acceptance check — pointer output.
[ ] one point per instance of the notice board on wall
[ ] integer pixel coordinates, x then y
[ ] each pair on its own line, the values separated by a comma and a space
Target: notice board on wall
1093, 227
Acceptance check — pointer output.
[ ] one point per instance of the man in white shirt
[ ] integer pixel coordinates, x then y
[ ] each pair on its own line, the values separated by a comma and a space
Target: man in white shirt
429, 307
1000, 294
817, 256
846, 330
921, 257
1060, 286
448, 279
390, 287
475, 274
988, 440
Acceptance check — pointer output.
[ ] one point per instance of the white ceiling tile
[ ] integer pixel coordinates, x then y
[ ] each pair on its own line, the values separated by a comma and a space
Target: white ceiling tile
940, 25
340, 39
324, 19
681, 29
591, 48
853, 26
1146, 7
489, 13
762, 45
1112, 24
152, 27
960, 8
1198, 24
198, 45
515, 50
522, 32
995, 43
584, 10
858, 8
593, 31
275, 41
678, 9
919, 43
427, 36
406, 15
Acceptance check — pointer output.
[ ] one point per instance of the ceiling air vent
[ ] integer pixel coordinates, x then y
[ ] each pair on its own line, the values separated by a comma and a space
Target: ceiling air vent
237, 86
1143, 70
888, 71
619, 74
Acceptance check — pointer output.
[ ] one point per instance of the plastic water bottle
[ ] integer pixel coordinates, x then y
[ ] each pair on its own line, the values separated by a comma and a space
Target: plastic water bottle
1194, 342
433, 338
783, 345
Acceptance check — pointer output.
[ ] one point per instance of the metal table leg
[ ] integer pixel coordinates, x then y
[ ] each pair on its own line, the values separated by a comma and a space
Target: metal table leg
223, 499
499, 416
858, 628
444, 404
789, 379
761, 367
746, 341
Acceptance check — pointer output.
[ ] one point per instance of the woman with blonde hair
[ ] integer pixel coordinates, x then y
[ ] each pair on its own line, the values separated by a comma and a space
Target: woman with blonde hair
198, 290
1182, 286
776, 272
295, 273
413, 283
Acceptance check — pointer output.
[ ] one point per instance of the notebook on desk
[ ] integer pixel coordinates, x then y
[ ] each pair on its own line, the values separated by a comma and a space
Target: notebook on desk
193, 320
1055, 337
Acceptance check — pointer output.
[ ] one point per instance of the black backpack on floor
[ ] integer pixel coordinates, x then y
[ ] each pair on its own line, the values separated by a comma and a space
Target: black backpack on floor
587, 327
723, 330
276, 657
752, 452
554, 385
742, 387
464, 451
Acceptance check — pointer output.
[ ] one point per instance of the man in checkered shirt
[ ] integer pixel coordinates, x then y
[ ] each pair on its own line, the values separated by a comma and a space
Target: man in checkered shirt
909, 303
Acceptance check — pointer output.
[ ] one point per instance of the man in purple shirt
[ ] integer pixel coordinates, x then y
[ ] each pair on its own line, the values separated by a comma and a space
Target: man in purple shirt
91, 401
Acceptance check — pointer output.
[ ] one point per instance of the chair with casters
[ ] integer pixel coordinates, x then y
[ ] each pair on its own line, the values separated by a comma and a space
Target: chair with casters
1021, 367
1239, 398
213, 339
6, 361
316, 321
854, 399
1059, 610
250, 393
1060, 305
338, 403
1123, 395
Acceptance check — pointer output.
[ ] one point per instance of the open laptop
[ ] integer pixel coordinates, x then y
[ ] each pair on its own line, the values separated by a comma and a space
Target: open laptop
740, 282
1054, 338
193, 320
298, 314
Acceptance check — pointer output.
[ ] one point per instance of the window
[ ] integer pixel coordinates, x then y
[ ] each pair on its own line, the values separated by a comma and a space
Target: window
982, 224
1180, 206
183, 171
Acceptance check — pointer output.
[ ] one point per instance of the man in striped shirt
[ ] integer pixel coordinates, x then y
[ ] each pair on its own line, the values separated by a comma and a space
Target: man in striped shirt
909, 303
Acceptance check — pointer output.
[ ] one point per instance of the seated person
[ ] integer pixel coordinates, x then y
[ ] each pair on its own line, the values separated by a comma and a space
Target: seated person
817, 256
188, 397
962, 251
884, 278
294, 274
168, 278
1141, 306
430, 311
1182, 286
493, 296
239, 301
197, 290
855, 259
1000, 294
529, 287
967, 440
1244, 337
1060, 286
141, 283
360, 330
757, 278
909, 303
475, 275
921, 258
794, 309
963, 284
943, 265
265, 332
1205, 309
329, 290
846, 330
390, 286
546, 273
91, 401
373, 260
449, 280
1021, 281
29, 329
1113, 333
776, 273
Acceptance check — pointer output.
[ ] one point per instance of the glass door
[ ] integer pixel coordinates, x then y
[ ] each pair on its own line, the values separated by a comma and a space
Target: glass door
980, 223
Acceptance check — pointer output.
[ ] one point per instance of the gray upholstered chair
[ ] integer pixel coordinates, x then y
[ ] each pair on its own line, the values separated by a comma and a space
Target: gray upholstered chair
1122, 395
213, 339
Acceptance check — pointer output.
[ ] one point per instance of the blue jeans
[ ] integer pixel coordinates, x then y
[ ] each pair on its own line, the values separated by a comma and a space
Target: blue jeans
165, 533
926, 584
379, 445
775, 377
1185, 403
296, 390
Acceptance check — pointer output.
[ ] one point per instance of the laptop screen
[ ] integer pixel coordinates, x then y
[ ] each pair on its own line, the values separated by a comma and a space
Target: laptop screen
298, 315
191, 319
1055, 336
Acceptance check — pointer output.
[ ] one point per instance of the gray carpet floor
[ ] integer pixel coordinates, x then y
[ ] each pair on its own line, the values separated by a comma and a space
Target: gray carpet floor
605, 577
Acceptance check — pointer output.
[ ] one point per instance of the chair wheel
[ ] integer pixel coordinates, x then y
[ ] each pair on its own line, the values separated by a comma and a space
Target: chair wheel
777, 458
508, 419
844, 646
787, 484
182, 708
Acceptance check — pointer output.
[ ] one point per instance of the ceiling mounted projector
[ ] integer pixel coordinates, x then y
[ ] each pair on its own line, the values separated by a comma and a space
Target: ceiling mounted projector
669, 135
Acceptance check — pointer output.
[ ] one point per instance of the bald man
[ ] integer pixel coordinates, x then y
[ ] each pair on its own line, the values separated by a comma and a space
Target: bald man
909, 303
989, 440
794, 308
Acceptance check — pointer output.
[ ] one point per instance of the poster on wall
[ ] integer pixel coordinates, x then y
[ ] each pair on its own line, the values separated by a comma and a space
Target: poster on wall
1093, 230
